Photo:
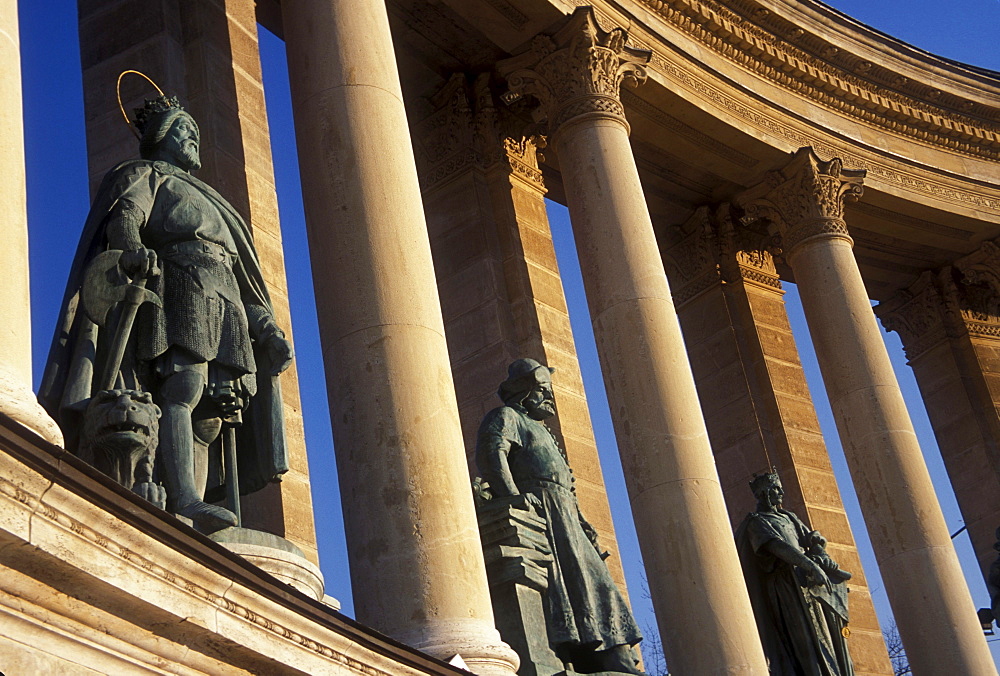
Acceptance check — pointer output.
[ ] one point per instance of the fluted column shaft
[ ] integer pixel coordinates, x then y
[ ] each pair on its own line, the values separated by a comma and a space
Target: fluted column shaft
923, 579
16, 397
694, 575
417, 566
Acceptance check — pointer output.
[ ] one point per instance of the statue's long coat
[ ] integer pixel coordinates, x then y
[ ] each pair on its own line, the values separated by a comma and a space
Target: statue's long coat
585, 608
79, 345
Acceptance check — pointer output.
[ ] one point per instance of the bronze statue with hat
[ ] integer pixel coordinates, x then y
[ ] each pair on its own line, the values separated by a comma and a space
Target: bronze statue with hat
588, 623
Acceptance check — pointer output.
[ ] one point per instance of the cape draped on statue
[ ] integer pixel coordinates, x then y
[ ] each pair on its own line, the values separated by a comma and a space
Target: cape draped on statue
75, 356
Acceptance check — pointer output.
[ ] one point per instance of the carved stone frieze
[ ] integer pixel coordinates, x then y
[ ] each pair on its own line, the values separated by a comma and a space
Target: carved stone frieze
834, 78
577, 71
467, 129
805, 199
773, 125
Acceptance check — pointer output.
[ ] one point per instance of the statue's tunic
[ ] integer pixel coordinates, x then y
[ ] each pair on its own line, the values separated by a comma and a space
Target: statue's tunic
204, 312
584, 607
800, 625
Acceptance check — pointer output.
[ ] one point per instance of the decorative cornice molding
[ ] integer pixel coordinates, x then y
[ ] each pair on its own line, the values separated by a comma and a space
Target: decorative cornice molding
576, 72
834, 78
805, 199
116, 543
774, 126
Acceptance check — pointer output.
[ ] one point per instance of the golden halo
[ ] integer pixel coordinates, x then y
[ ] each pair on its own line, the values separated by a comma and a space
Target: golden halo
119, 89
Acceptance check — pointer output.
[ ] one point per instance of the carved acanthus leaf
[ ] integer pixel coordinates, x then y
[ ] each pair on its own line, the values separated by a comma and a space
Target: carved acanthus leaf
744, 250
578, 70
805, 199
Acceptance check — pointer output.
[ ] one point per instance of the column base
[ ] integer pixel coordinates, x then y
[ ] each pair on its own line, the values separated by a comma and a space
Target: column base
18, 401
477, 642
278, 557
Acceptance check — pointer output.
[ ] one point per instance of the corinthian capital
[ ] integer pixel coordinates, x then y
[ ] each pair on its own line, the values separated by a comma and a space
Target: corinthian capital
805, 199
577, 71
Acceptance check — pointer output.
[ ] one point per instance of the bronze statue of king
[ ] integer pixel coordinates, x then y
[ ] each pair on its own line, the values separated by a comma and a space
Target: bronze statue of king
208, 349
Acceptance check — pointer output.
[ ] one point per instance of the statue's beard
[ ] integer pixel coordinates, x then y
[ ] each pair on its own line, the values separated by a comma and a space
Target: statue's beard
189, 157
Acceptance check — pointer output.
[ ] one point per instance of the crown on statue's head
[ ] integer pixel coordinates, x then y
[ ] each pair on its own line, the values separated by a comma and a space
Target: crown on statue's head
152, 108
765, 479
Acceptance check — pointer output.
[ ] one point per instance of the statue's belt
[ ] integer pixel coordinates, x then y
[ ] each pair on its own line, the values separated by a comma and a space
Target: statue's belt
197, 246
208, 281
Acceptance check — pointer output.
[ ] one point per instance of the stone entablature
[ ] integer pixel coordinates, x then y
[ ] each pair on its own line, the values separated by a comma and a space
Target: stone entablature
833, 70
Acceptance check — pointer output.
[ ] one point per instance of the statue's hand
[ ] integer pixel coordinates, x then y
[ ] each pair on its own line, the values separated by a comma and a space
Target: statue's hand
532, 499
139, 263
280, 351
817, 576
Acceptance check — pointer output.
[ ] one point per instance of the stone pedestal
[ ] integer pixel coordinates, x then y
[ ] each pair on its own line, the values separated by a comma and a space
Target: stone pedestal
276, 556
518, 559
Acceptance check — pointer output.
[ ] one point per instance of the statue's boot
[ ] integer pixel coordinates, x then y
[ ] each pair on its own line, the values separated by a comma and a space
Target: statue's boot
207, 517
620, 659
180, 394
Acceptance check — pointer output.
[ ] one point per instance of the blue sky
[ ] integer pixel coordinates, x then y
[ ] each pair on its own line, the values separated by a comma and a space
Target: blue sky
964, 30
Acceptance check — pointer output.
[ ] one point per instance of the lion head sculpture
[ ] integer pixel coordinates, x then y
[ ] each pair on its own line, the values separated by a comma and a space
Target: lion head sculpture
120, 435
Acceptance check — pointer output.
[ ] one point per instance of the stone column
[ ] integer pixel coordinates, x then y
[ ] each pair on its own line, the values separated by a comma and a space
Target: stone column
701, 603
926, 588
17, 399
497, 274
417, 567
949, 322
754, 394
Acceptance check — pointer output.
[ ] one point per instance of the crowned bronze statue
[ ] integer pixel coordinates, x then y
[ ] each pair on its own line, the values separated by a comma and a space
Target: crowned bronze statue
166, 297
798, 592
589, 625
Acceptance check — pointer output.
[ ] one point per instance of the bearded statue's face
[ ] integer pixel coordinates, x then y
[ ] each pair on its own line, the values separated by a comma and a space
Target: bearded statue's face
540, 404
181, 143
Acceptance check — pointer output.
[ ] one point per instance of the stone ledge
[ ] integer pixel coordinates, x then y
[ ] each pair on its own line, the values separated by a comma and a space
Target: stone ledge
78, 545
